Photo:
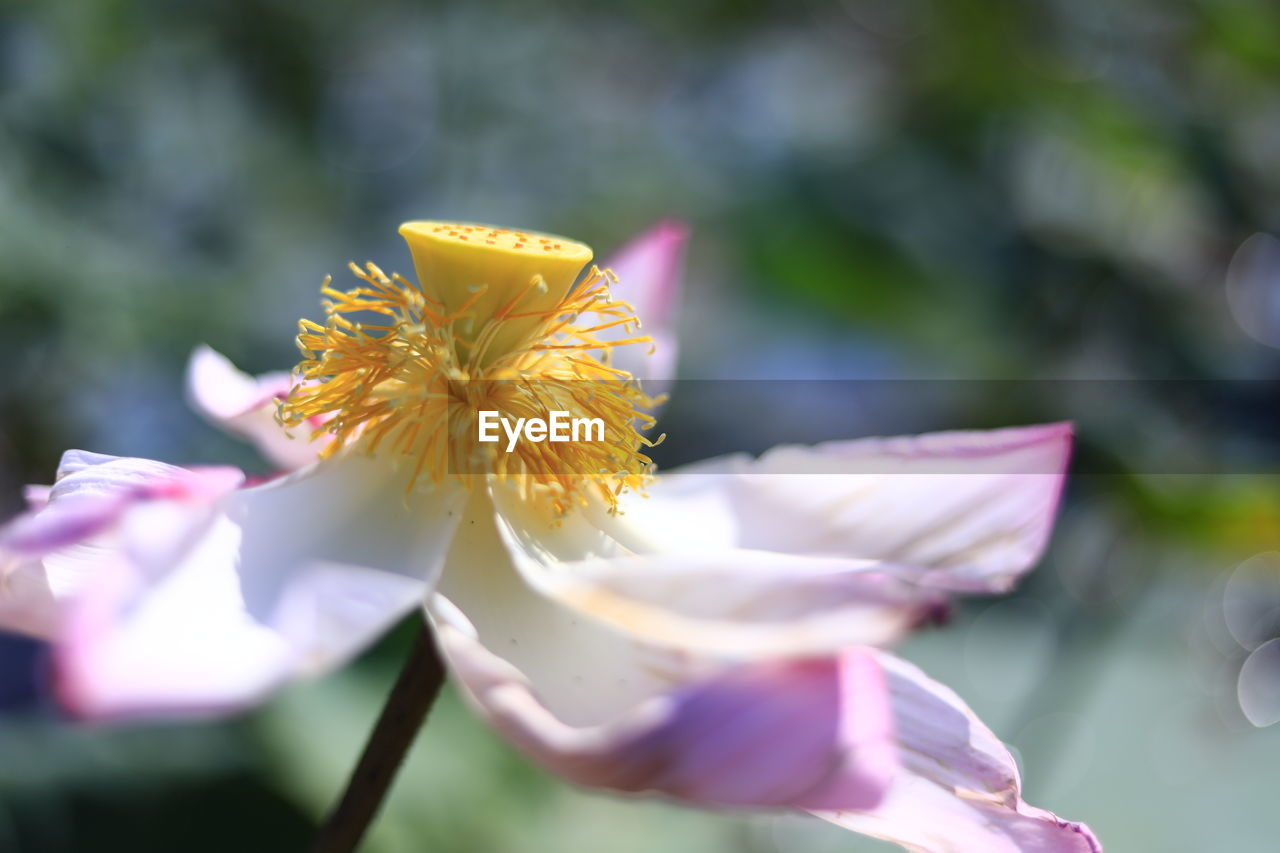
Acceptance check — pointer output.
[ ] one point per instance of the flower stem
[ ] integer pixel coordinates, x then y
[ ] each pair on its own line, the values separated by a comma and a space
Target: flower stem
414, 692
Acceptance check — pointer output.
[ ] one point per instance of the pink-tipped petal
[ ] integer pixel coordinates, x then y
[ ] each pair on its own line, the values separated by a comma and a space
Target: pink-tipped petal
93, 489
283, 580
246, 406
970, 511
604, 710
959, 791
649, 277
47, 552
956, 511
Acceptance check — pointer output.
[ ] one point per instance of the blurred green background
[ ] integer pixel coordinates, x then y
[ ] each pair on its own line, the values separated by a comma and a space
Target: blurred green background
944, 189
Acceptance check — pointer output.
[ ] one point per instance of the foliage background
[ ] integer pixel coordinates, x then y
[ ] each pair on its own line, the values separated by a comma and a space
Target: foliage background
953, 190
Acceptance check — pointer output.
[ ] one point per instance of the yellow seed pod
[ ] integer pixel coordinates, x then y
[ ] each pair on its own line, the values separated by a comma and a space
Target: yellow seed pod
495, 273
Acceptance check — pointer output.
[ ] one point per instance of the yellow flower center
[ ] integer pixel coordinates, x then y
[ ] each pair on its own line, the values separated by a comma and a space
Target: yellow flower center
499, 321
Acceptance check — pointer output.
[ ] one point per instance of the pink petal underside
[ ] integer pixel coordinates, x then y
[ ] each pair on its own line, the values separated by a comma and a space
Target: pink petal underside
959, 791
649, 277
971, 511
607, 710
210, 613
806, 733
245, 405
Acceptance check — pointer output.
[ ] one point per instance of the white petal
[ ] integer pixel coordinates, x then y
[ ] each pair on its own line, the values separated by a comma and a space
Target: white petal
608, 671
287, 579
246, 406
605, 710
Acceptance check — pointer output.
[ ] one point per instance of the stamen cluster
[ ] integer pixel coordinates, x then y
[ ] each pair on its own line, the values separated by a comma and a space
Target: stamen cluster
410, 381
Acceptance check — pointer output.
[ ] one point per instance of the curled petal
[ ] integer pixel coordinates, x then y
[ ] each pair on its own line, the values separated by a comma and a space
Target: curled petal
648, 270
804, 550
733, 603
739, 604
47, 552
959, 791
604, 710
92, 491
246, 406
286, 579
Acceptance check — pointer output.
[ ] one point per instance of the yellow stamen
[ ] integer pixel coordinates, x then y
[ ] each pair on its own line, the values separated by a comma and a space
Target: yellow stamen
492, 325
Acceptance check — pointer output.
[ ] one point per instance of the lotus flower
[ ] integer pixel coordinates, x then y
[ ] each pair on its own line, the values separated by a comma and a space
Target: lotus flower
715, 634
